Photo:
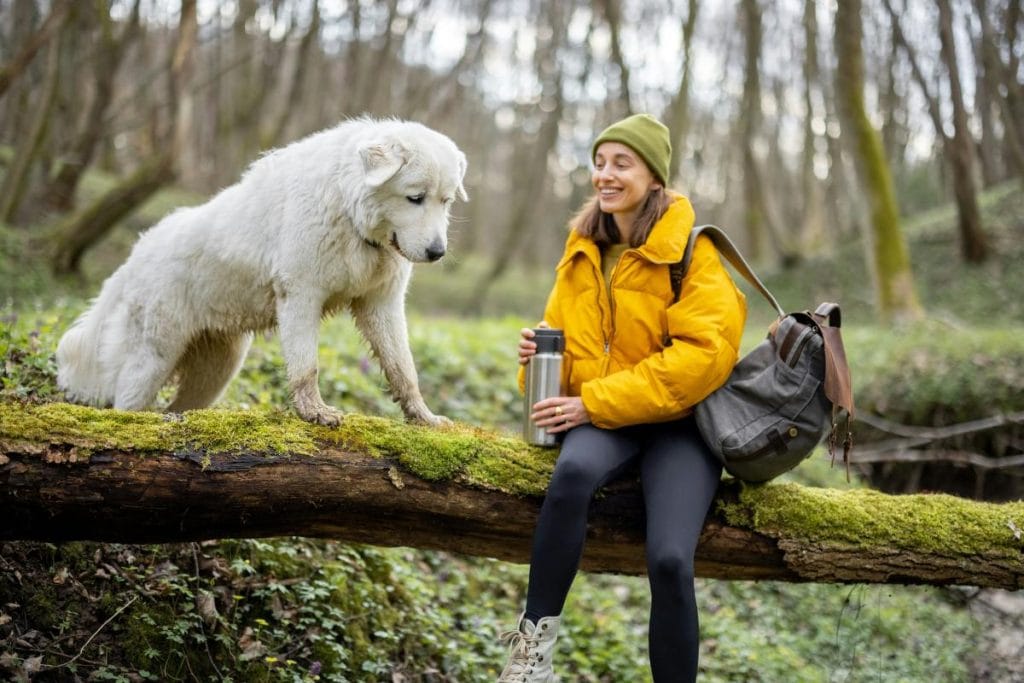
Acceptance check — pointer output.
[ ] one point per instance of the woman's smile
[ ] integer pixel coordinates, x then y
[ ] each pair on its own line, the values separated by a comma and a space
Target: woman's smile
622, 181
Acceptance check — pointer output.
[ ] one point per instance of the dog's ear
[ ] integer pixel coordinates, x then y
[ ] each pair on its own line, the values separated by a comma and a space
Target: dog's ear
381, 161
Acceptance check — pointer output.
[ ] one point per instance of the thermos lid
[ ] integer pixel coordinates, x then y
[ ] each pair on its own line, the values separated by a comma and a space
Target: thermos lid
549, 340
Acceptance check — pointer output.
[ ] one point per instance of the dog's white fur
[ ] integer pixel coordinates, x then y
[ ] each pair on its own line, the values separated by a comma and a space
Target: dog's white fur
330, 222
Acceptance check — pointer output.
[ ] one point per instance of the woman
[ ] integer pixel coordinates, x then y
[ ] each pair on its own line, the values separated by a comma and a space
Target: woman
636, 364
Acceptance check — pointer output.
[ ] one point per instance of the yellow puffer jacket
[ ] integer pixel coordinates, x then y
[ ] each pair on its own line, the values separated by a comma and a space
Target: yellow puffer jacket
615, 357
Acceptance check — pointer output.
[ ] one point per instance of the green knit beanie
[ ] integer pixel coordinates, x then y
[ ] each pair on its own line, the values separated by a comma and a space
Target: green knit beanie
646, 136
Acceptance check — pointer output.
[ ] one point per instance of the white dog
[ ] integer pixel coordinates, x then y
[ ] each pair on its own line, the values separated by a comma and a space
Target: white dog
330, 222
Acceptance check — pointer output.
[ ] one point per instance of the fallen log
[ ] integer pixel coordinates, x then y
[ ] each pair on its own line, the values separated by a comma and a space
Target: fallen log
73, 473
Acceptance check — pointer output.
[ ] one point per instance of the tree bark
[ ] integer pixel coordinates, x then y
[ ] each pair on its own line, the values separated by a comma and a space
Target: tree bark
755, 216
999, 77
612, 11
67, 473
957, 151
960, 149
521, 227
87, 227
12, 192
678, 114
10, 71
812, 228
275, 133
60, 191
896, 292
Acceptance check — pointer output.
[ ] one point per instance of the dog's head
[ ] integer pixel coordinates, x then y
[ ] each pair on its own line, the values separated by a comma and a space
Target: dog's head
414, 175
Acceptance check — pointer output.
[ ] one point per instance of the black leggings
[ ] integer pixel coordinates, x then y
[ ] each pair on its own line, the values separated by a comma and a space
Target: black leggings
679, 476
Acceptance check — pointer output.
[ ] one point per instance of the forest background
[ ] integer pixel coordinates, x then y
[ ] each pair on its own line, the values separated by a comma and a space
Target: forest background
869, 152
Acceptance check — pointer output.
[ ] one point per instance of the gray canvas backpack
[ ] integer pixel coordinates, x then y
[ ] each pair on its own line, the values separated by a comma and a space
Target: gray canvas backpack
784, 396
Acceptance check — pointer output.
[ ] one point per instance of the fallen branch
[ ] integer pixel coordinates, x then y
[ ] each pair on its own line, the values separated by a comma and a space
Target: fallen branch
72, 473
902, 454
930, 434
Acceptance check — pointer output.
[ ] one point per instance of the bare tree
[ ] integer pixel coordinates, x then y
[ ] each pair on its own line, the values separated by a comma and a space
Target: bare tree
813, 218
612, 11
15, 180
960, 149
275, 133
521, 226
896, 293
1001, 79
984, 106
678, 114
84, 229
107, 56
38, 38
759, 218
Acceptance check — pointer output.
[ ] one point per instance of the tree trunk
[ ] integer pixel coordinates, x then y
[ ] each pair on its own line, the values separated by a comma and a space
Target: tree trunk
15, 180
1000, 78
812, 229
988, 142
521, 228
275, 134
60, 192
750, 120
84, 229
1014, 87
896, 293
10, 71
71, 473
438, 103
612, 11
957, 151
678, 115
973, 245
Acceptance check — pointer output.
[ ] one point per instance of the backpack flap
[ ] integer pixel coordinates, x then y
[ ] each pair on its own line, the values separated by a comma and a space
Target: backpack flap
838, 384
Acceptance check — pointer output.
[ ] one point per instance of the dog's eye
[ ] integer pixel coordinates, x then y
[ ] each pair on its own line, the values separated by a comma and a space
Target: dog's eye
417, 199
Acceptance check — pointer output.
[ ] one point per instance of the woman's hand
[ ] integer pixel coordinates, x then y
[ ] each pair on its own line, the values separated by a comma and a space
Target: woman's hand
560, 413
528, 347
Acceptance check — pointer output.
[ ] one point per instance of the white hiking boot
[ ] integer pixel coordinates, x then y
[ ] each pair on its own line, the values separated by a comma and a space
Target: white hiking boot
529, 651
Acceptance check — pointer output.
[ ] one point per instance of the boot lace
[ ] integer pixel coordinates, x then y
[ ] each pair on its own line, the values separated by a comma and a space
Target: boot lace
521, 656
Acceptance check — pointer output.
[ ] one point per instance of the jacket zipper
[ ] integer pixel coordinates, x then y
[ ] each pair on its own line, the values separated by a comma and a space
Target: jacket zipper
601, 307
611, 304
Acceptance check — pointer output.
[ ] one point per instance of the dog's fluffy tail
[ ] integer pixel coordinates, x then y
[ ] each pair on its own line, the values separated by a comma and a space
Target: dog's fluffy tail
86, 369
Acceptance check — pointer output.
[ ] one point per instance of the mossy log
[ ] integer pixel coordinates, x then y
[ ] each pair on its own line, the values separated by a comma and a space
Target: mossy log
73, 473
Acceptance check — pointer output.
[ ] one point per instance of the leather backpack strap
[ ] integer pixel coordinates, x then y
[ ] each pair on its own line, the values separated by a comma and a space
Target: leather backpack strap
838, 385
727, 249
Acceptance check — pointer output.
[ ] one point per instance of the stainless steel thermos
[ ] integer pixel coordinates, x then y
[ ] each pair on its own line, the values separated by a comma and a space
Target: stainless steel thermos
543, 380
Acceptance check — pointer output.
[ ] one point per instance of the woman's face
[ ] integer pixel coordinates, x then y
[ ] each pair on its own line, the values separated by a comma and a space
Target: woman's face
621, 178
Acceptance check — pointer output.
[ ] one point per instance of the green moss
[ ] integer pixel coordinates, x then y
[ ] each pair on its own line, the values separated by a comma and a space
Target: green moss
868, 518
473, 456
228, 431
78, 425
213, 431
470, 455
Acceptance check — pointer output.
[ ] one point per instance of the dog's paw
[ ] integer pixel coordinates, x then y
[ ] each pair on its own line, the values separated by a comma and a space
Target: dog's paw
430, 420
322, 415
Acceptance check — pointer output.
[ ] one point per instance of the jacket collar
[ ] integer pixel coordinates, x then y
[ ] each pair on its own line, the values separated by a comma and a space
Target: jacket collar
665, 244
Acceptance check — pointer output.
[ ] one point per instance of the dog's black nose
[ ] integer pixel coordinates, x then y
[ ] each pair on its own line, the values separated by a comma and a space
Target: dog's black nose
435, 251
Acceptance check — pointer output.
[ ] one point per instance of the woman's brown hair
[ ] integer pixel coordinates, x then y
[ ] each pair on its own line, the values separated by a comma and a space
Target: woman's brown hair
599, 226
